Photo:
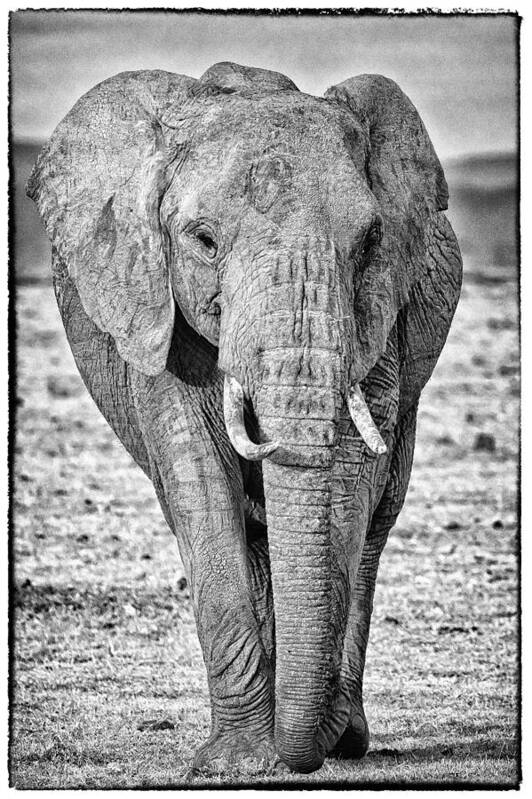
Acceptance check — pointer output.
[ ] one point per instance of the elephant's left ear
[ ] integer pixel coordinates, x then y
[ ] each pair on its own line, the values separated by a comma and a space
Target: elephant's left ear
407, 179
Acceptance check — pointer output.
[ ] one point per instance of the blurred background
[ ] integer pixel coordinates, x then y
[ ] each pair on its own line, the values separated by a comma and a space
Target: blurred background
460, 71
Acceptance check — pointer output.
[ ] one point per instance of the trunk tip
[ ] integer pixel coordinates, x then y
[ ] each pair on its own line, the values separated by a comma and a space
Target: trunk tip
302, 766
304, 758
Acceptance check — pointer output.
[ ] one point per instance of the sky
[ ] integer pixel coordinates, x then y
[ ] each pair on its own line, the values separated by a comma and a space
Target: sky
460, 71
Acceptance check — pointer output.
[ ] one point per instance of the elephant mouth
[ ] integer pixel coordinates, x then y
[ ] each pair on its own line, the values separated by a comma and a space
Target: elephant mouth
234, 400
255, 511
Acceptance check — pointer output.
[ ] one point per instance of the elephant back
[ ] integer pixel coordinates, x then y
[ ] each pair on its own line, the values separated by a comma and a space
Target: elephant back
237, 78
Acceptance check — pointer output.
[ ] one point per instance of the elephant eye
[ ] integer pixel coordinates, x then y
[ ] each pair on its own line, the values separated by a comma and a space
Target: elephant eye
204, 237
374, 235
207, 241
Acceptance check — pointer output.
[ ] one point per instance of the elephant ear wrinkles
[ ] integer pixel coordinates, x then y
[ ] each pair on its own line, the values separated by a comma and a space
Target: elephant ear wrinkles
407, 179
98, 185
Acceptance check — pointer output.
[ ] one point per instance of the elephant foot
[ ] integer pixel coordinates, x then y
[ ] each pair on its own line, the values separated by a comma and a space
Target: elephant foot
243, 753
354, 742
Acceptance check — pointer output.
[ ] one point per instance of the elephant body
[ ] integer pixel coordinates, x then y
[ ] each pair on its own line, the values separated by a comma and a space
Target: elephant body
256, 285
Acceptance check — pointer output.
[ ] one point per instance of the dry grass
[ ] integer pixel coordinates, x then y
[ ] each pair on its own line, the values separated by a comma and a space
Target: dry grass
104, 635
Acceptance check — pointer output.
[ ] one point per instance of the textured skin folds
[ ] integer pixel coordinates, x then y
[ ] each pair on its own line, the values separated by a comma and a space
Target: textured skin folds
235, 229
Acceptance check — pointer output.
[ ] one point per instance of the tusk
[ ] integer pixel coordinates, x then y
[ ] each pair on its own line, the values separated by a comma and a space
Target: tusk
234, 423
363, 422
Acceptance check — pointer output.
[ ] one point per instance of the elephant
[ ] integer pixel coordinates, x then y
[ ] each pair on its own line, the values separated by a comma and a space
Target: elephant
256, 284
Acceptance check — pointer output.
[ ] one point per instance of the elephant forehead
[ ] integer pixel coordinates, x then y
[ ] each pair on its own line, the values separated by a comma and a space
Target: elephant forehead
303, 157
296, 127
269, 176
269, 151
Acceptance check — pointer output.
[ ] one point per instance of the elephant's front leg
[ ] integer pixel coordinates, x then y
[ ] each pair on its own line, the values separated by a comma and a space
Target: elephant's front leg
261, 587
355, 740
200, 485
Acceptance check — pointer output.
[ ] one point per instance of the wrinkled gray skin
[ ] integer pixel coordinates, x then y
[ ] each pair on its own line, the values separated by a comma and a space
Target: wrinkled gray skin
233, 224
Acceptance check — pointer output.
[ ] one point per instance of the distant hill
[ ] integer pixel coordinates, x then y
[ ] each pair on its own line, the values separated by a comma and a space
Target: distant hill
31, 253
490, 172
482, 210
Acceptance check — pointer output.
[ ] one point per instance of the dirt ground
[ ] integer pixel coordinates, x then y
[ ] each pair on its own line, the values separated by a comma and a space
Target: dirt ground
104, 639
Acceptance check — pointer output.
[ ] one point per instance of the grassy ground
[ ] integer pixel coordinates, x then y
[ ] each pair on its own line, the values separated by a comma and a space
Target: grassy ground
104, 635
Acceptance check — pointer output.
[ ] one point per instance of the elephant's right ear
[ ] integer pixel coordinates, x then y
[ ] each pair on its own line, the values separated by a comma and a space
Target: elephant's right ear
98, 184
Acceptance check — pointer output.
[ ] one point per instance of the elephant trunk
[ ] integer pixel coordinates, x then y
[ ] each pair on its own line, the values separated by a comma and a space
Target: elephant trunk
295, 373
301, 408
310, 597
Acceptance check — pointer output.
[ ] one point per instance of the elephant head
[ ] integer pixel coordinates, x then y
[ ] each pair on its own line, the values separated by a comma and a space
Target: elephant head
290, 231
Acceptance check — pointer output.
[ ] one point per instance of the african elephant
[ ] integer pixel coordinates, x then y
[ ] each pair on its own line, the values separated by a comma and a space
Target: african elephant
256, 284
